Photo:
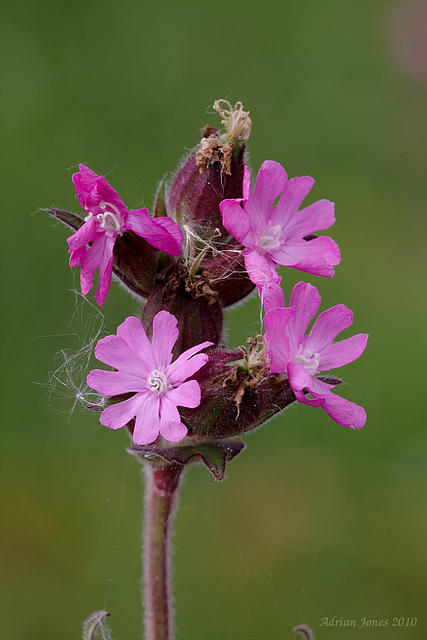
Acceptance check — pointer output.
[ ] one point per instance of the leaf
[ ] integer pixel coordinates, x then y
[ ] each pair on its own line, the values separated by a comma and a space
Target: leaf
214, 455
92, 623
66, 217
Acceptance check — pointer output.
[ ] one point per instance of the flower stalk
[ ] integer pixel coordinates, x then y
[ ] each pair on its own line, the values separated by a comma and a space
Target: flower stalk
161, 488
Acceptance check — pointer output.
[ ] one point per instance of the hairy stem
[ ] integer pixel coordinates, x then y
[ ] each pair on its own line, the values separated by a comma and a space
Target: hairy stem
160, 497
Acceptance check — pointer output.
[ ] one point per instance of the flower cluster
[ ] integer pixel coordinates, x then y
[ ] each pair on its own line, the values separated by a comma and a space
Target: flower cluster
212, 240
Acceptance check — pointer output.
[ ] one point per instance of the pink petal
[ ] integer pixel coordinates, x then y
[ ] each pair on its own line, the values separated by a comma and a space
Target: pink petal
165, 334
81, 238
315, 387
319, 215
132, 332
271, 296
118, 414
326, 248
270, 182
328, 325
104, 192
299, 379
235, 220
187, 364
344, 412
260, 267
311, 402
114, 383
92, 189
305, 300
171, 426
84, 183
246, 183
186, 395
91, 262
76, 257
173, 229
162, 233
296, 190
105, 268
116, 352
340, 353
147, 424
317, 256
319, 387
276, 330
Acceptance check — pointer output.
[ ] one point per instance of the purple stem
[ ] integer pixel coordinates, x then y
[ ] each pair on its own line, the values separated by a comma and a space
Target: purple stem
160, 497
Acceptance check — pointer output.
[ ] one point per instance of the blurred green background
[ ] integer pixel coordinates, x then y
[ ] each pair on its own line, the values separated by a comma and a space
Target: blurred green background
313, 520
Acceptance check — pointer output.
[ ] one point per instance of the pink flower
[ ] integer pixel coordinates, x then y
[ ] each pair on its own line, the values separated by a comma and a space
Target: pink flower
107, 217
302, 356
146, 369
273, 234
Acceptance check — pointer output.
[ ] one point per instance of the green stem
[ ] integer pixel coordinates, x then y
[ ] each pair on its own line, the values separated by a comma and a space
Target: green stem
160, 497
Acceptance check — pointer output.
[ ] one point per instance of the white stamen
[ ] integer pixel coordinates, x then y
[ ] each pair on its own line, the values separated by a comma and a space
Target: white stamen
270, 238
109, 220
157, 382
310, 361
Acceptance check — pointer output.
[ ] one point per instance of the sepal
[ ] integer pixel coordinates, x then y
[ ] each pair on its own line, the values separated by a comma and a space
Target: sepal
160, 199
194, 196
71, 220
232, 406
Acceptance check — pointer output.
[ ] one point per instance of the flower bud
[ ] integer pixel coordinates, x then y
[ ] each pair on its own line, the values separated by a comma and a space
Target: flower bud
227, 275
212, 172
190, 299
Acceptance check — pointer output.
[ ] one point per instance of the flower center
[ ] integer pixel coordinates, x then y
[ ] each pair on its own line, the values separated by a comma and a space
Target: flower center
270, 238
157, 382
110, 220
310, 361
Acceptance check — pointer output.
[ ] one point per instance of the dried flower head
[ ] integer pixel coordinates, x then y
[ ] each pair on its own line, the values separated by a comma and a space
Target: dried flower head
236, 120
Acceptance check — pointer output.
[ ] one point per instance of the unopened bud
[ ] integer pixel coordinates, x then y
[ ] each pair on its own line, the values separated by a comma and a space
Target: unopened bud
212, 172
190, 299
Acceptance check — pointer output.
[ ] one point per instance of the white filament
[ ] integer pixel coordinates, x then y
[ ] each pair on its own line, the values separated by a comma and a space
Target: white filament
310, 361
157, 381
109, 220
270, 238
